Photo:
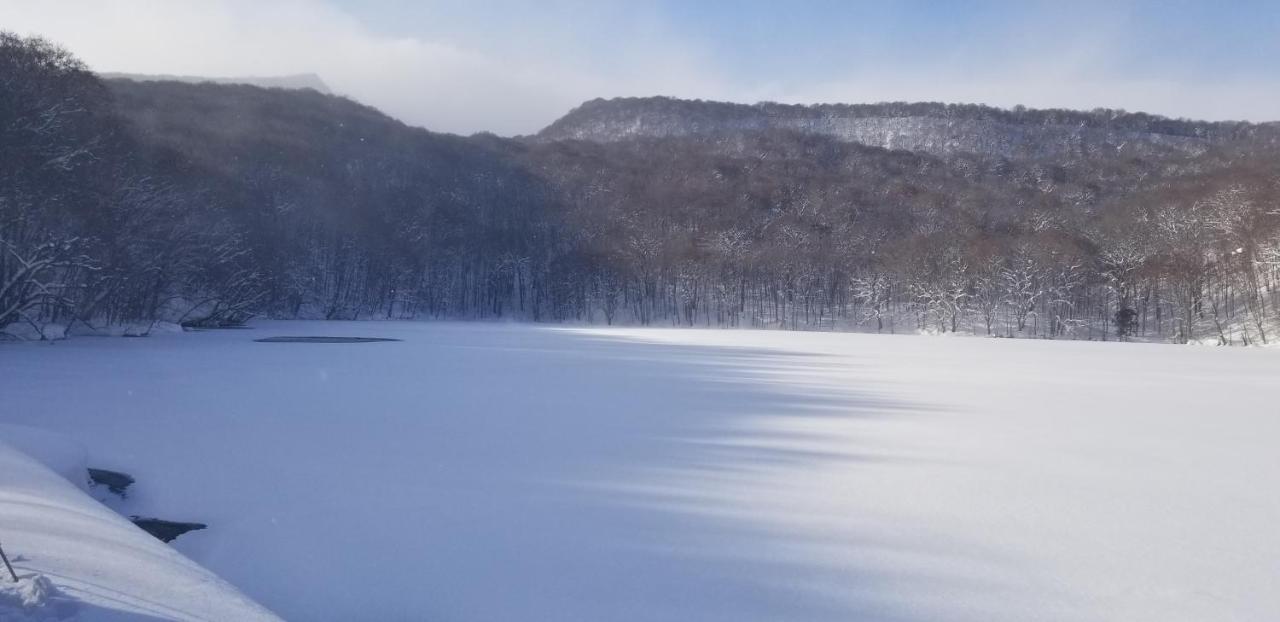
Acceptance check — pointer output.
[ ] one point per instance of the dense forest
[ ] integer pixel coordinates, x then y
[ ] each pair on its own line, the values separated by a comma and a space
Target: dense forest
125, 202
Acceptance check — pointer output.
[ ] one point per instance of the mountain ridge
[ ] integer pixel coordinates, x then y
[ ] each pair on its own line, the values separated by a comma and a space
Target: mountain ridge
207, 204
930, 127
297, 81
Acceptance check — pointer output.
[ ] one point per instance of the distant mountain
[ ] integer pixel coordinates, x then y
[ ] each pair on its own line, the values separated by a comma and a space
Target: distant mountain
208, 203
938, 129
296, 81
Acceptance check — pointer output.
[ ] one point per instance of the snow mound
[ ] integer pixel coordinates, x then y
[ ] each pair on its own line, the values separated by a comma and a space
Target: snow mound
28, 596
77, 559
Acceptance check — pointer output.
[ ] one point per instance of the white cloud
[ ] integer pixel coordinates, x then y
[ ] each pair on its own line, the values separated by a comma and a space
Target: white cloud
438, 85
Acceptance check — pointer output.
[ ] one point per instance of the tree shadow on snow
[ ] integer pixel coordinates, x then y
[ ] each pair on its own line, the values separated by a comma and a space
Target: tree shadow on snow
495, 472
705, 483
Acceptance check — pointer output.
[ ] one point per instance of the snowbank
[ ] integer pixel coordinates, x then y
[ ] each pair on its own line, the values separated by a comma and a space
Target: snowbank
33, 596
23, 331
135, 329
78, 560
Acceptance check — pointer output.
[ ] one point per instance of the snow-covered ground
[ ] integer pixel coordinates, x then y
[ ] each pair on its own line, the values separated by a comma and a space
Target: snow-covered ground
78, 560
510, 472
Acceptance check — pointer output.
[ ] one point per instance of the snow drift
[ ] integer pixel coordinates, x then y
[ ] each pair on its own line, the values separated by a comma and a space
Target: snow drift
78, 560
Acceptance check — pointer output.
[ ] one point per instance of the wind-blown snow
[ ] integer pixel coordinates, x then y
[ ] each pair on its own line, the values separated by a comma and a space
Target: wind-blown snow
503, 472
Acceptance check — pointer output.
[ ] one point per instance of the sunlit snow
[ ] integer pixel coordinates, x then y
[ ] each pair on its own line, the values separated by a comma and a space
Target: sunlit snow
513, 472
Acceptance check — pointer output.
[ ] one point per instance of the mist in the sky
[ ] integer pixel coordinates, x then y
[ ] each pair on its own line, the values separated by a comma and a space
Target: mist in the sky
511, 67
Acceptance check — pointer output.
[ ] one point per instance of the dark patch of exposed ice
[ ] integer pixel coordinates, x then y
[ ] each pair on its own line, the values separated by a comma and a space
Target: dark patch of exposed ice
165, 530
115, 481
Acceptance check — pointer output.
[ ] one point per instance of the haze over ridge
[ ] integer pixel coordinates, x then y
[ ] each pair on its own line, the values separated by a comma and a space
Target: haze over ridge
512, 68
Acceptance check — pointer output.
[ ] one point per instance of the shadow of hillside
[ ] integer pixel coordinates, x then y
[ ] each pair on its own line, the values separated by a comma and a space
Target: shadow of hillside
497, 472
693, 483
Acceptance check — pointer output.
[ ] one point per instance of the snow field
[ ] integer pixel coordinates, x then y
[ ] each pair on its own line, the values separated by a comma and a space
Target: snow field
498, 472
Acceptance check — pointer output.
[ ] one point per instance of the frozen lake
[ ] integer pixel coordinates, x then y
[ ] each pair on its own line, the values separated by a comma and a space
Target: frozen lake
512, 472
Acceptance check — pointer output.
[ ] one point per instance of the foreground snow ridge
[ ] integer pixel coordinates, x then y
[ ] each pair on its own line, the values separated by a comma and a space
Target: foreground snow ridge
78, 560
477, 472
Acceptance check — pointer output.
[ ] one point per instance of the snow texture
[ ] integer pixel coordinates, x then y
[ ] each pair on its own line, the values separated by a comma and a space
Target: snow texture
78, 560
511, 472
30, 598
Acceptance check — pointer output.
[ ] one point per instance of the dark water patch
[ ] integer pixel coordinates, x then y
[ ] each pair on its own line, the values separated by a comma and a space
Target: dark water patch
323, 339
165, 530
115, 481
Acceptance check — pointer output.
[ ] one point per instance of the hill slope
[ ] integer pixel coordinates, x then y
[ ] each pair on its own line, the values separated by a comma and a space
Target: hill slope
207, 204
939, 129
296, 81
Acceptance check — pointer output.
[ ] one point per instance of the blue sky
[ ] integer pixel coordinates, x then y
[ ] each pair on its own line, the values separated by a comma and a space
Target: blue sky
511, 66
808, 40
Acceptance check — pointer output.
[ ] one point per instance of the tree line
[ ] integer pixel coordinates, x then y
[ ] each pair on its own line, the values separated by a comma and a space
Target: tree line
206, 205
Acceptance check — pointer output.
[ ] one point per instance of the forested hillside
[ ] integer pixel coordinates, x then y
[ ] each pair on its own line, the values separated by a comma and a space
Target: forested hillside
936, 128
207, 204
